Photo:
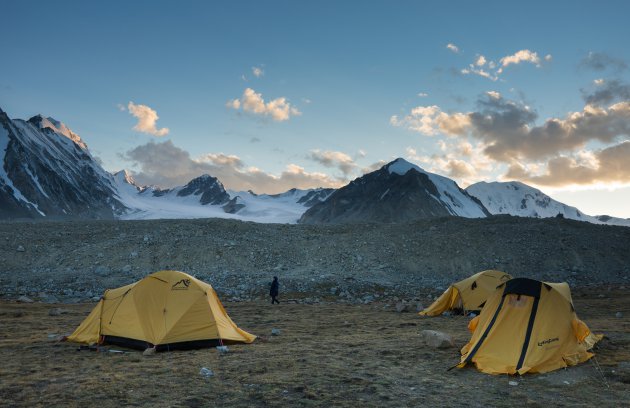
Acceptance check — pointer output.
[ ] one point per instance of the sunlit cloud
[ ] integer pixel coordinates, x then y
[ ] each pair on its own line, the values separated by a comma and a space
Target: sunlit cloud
603, 166
258, 72
503, 134
519, 57
430, 120
492, 70
147, 119
278, 109
452, 47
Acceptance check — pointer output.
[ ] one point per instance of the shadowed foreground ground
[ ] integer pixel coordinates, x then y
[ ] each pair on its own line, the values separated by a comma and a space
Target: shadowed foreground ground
326, 355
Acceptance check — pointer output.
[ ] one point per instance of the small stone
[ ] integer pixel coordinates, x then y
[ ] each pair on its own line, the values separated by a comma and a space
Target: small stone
20, 248
149, 352
436, 339
133, 254
513, 382
275, 332
95, 298
223, 349
402, 307
57, 312
206, 372
619, 315
126, 268
25, 299
101, 270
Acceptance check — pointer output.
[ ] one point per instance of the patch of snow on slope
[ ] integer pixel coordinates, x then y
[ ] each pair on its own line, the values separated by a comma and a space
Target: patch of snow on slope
280, 208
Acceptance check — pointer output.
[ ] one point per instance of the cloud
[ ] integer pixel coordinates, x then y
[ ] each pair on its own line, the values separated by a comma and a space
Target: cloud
608, 165
430, 120
607, 92
423, 94
457, 159
146, 120
493, 94
479, 71
481, 66
333, 159
373, 167
520, 56
453, 47
167, 165
505, 131
599, 61
258, 72
278, 109
508, 131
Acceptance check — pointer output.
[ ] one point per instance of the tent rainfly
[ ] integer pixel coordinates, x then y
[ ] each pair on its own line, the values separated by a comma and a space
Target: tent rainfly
528, 326
167, 310
467, 295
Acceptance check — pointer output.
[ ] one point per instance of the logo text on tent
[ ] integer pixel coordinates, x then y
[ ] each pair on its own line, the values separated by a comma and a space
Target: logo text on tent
181, 285
548, 341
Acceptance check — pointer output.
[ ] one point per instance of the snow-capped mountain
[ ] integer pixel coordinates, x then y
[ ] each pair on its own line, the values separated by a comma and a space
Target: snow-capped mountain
521, 200
205, 197
399, 191
47, 171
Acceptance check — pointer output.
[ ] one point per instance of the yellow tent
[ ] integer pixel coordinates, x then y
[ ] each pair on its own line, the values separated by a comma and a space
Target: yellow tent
167, 309
528, 326
468, 294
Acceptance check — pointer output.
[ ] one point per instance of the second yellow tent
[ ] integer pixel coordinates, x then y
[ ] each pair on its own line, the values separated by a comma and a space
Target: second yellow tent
468, 294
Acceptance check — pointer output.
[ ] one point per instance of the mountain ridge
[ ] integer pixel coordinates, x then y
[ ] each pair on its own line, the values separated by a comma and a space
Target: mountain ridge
48, 171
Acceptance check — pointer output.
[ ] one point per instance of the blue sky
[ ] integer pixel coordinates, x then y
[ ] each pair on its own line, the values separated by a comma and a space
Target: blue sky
335, 89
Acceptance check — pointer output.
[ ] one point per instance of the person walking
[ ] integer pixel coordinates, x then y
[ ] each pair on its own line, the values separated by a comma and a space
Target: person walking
273, 292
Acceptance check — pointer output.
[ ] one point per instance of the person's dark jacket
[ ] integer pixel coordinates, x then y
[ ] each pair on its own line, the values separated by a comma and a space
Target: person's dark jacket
274, 288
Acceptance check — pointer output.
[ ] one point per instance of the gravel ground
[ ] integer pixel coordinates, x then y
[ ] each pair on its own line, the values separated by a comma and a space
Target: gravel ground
76, 261
332, 354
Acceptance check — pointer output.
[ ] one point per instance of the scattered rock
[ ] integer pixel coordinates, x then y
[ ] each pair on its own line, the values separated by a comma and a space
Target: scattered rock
402, 307
149, 352
619, 315
126, 268
20, 248
275, 332
513, 382
436, 339
25, 299
223, 349
57, 312
206, 372
101, 270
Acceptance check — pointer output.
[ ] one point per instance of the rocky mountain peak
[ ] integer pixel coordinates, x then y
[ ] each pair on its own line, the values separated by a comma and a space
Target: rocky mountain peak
210, 188
57, 127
